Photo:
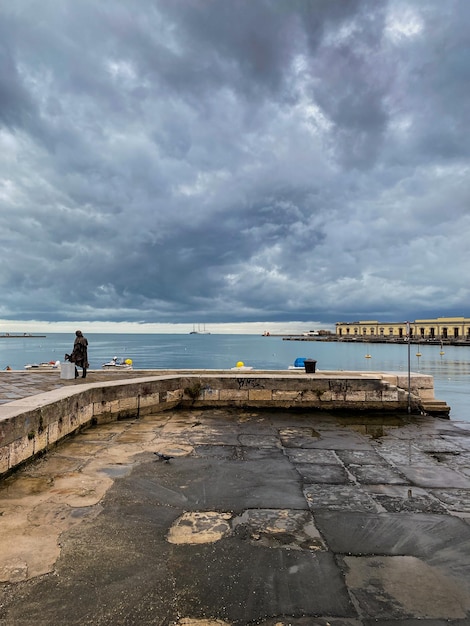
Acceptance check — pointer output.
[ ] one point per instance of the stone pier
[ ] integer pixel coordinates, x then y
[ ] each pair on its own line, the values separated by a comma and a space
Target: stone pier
176, 500
31, 425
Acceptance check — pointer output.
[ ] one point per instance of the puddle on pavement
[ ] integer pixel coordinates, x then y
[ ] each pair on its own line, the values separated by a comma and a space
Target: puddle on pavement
375, 420
20, 486
116, 471
302, 431
136, 437
53, 464
96, 435
79, 449
374, 427
85, 512
389, 584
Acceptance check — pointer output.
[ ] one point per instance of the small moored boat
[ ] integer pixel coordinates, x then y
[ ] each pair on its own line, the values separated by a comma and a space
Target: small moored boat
50, 365
299, 363
118, 363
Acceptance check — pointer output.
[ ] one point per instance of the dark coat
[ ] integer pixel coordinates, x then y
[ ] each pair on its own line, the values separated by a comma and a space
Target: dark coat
79, 354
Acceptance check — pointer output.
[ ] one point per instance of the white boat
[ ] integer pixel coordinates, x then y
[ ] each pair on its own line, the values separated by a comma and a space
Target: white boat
118, 363
50, 365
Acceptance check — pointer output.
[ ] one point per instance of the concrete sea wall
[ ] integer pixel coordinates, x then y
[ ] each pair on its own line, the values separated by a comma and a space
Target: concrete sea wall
30, 426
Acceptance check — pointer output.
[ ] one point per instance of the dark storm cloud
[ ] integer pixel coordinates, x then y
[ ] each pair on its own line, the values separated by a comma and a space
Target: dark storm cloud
232, 161
15, 104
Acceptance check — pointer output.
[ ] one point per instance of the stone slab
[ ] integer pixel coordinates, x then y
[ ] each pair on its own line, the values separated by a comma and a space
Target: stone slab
317, 473
377, 474
454, 499
270, 582
361, 457
314, 455
422, 536
414, 502
232, 485
386, 585
338, 498
436, 476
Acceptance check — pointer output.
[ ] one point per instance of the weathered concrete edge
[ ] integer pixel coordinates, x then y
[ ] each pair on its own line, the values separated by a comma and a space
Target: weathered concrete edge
30, 426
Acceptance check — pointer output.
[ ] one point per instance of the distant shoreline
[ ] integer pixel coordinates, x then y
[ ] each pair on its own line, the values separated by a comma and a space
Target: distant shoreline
19, 336
382, 340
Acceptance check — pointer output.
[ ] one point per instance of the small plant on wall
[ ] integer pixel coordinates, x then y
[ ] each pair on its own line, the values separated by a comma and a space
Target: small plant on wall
194, 391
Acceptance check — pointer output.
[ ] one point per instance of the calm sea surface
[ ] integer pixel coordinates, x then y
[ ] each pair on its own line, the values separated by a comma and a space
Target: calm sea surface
451, 370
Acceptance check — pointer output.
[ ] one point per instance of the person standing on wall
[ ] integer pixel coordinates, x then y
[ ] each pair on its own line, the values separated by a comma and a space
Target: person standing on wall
79, 354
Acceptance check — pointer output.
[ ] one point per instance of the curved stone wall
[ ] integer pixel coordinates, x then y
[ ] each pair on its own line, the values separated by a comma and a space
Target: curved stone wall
30, 426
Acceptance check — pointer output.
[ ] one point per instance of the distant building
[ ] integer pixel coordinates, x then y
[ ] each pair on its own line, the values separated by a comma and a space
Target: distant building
440, 328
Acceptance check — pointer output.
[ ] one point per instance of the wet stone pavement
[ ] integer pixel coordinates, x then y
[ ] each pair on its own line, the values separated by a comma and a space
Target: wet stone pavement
270, 518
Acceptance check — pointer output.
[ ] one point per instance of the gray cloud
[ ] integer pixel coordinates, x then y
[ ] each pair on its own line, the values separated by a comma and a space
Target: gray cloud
234, 161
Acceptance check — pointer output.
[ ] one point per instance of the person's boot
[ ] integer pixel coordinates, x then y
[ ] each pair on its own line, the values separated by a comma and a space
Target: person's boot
84, 373
76, 373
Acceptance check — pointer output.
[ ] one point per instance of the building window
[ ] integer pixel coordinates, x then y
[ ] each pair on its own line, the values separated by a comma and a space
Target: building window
382, 330
432, 333
456, 333
444, 333
390, 331
372, 332
421, 330
364, 331
355, 331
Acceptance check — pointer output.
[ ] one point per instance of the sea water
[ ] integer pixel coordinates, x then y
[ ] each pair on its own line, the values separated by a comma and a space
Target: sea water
451, 370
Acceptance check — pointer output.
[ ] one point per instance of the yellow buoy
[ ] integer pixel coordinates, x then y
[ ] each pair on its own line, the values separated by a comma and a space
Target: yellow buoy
128, 361
368, 356
240, 364
418, 354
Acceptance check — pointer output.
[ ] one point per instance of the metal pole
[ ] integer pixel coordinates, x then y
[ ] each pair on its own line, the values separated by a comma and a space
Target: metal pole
409, 367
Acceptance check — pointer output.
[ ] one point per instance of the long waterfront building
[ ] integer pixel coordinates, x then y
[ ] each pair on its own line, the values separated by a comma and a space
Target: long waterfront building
438, 329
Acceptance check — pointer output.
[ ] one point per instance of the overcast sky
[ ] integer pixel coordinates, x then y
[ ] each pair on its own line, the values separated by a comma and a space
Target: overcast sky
189, 161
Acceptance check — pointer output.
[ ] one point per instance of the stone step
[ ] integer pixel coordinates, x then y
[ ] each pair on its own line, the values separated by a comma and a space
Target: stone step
435, 407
